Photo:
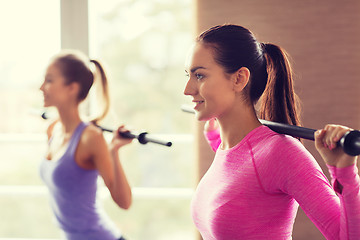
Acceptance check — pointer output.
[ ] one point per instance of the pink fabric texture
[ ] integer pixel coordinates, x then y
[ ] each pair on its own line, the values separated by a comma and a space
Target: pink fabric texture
253, 190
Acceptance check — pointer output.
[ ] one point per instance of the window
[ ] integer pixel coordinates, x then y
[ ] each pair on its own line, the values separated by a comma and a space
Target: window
143, 44
28, 39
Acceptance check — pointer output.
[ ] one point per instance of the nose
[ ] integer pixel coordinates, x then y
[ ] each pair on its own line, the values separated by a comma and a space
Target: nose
190, 88
42, 86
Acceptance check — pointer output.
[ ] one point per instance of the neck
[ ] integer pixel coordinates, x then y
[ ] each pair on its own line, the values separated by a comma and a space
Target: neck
69, 118
236, 125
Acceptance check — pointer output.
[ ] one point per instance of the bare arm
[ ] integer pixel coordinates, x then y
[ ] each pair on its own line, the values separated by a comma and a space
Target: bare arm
107, 162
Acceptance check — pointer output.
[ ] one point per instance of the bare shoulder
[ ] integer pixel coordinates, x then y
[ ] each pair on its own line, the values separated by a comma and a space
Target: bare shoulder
92, 143
92, 137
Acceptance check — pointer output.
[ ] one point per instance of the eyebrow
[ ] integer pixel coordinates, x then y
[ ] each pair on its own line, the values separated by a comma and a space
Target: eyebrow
195, 68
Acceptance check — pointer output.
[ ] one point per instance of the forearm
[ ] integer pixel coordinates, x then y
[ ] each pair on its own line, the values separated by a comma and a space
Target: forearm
346, 183
120, 189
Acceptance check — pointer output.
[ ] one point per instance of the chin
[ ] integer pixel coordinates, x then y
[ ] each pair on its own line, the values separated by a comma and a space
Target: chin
202, 117
47, 104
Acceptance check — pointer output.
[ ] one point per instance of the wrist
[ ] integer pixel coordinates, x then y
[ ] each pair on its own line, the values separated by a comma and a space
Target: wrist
113, 149
345, 164
342, 164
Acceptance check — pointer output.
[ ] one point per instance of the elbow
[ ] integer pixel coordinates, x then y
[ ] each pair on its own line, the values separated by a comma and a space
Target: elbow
122, 196
126, 206
125, 202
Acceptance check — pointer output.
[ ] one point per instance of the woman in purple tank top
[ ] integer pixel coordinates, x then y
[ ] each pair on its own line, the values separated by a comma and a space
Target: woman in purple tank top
259, 178
78, 153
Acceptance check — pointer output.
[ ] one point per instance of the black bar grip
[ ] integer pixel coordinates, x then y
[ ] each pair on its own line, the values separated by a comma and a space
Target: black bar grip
295, 131
350, 142
127, 135
142, 137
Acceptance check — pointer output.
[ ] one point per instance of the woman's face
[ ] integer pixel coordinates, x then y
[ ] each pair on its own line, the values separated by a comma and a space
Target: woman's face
55, 91
208, 84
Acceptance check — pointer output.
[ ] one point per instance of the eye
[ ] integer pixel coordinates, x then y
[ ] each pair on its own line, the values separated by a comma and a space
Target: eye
199, 76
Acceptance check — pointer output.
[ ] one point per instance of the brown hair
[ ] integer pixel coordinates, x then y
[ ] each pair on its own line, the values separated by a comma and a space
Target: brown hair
270, 71
76, 67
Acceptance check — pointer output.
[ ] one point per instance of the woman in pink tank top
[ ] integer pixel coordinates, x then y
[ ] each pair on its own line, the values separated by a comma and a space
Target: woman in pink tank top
78, 153
259, 178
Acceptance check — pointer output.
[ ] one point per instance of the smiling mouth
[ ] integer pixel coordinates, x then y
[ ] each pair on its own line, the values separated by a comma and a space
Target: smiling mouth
198, 103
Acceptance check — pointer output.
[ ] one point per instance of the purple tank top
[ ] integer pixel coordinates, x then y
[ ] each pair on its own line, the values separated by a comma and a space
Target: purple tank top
73, 196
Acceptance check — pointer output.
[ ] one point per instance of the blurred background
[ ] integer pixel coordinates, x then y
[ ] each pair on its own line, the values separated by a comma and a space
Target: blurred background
143, 44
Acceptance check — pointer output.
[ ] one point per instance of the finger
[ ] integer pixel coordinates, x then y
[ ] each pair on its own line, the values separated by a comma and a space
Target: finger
319, 138
120, 130
332, 138
121, 127
340, 133
329, 135
125, 134
333, 135
124, 129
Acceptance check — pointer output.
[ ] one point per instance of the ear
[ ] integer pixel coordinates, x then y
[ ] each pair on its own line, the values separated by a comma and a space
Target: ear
74, 89
240, 79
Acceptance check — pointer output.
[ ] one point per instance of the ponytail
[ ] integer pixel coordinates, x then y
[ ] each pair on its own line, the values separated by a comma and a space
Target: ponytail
76, 67
105, 90
279, 102
270, 72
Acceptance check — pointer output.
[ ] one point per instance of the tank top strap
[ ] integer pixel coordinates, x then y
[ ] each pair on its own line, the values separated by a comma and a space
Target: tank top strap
75, 138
